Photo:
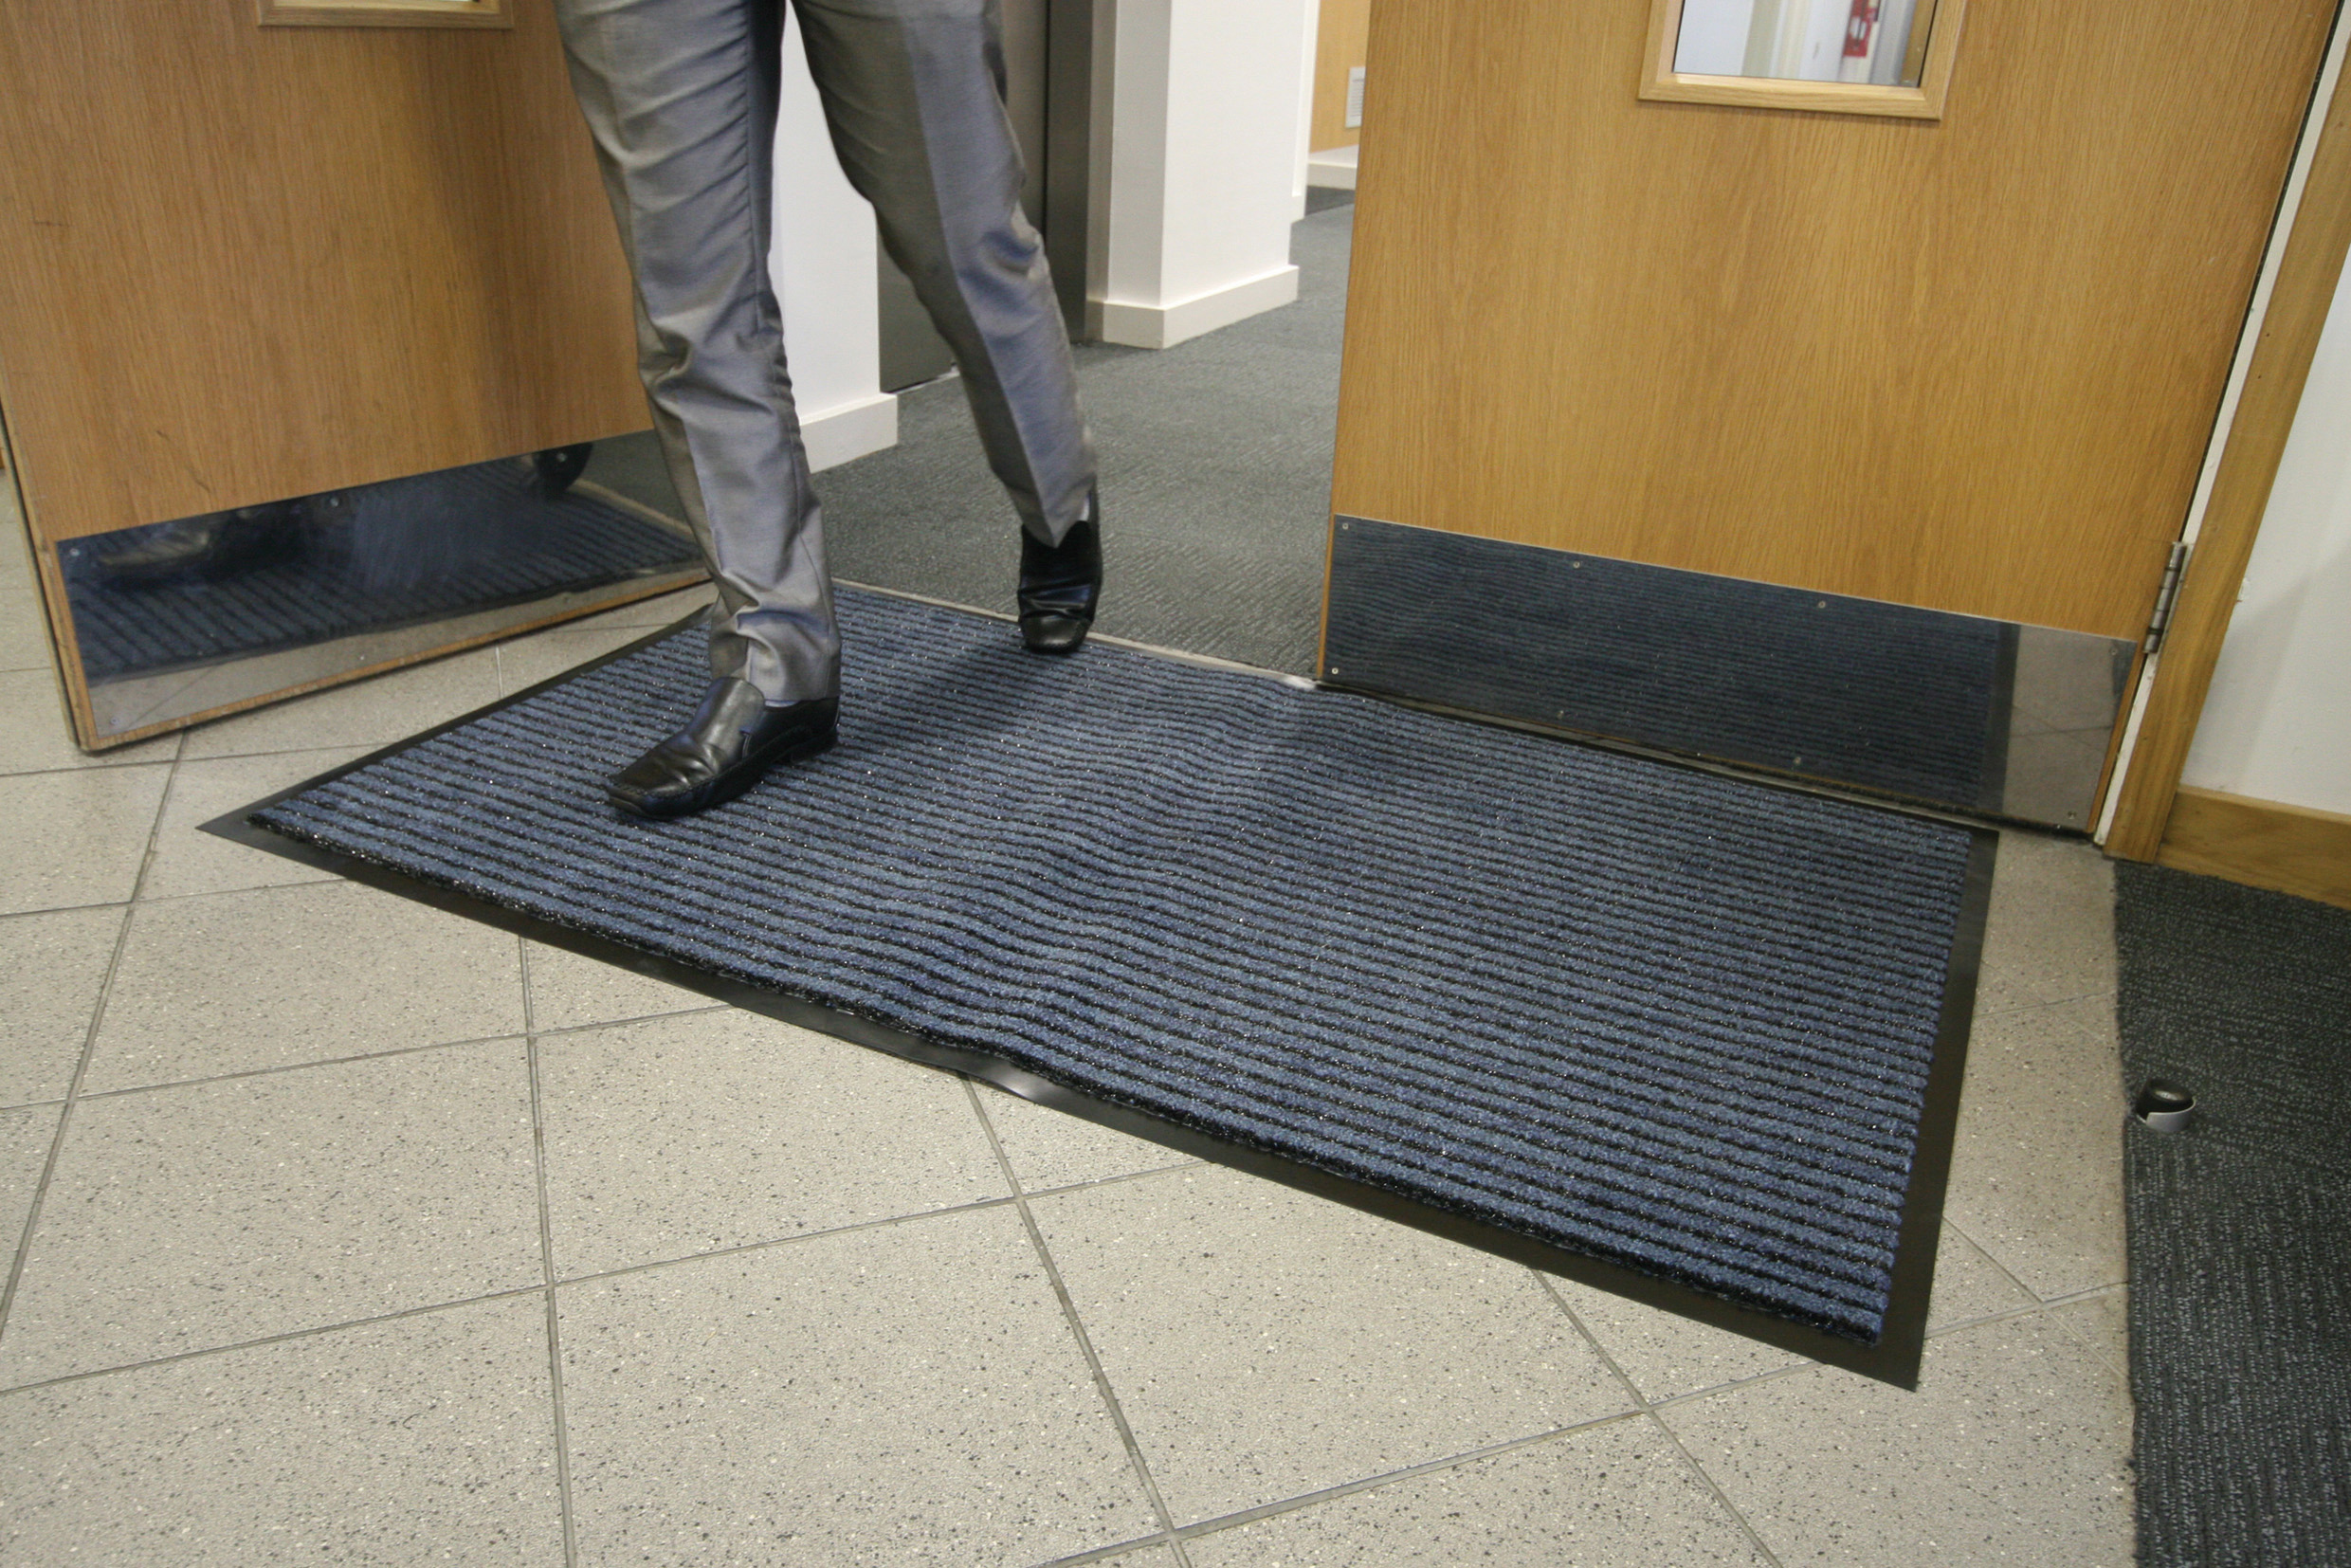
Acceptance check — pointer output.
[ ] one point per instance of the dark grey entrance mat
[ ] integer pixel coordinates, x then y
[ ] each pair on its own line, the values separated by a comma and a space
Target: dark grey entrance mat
2240, 1251
1684, 1036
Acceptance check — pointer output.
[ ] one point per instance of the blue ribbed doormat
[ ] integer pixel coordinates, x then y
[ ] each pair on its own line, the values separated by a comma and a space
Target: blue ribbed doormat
1675, 1022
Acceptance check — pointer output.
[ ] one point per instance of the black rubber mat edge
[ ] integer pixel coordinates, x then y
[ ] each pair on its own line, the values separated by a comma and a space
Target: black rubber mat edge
1894, 1358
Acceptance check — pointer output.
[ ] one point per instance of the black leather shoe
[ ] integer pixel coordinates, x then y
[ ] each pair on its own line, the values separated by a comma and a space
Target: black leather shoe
734, 737
1060, 585
215, 545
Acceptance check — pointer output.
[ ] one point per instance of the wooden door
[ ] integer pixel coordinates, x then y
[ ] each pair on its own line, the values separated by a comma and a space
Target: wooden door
243, 262
1968, 364
252, 261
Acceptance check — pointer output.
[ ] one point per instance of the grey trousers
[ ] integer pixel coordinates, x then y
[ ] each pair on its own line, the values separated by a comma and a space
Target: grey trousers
680, 97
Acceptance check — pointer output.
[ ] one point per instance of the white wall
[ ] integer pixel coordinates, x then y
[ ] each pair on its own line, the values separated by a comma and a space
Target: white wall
1714, 37
1803, 39
823, 259
2277, 725
1204, 144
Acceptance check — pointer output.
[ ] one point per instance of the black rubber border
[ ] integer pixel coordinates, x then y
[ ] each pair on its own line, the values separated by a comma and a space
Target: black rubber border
1894, 1358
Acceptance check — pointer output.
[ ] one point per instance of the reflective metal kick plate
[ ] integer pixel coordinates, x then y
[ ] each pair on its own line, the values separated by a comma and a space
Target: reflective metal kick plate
1987, 717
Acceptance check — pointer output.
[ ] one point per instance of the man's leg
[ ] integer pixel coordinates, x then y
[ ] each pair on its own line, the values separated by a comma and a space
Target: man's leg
679, 97
913, 92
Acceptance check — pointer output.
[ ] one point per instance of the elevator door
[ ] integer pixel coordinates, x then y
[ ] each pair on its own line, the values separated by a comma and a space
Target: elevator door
912, 350
1698, 395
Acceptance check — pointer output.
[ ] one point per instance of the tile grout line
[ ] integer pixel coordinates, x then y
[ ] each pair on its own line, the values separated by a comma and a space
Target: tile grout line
547, 1259
2006, 1272
2014, 1314
390, 1052
597, 1276
1077, 1328
1240, 1517
95, 766
1648, 1412
89, 1045
1221, 1522
515, 1293
63, 909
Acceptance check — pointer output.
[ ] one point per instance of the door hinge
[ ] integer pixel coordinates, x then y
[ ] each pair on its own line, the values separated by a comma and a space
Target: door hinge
2166, 597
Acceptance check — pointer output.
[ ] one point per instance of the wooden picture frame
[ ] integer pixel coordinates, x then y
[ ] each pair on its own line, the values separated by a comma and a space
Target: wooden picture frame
385, 14
1934, 44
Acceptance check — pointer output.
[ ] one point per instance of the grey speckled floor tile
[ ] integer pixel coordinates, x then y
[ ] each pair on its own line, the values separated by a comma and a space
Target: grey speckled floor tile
1666, 1356
93, 824
2013, 1451
524, 661
209, 1214
2102, 1322
367, 713
33, 734
188, 860
1618, 1496
24, 630
1146, 1556
2048, 935
427, 1439
1265, 1343
908, 1394
230, 982
567, 990
2036, 1166
51, 967
714, 1129
26, 1134
1049, 1148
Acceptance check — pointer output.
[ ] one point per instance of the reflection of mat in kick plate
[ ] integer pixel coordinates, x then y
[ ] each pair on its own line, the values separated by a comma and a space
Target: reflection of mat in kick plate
405, 550
1681, 1037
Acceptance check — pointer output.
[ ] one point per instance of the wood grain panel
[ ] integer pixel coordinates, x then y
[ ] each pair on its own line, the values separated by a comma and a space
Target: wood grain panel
1970, 364
1341, 32
2262, 844
242, 262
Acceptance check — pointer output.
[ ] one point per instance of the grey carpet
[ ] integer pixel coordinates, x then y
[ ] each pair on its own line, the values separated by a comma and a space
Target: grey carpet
1885, 696
387, 555
2240, 1247
1216, 481
1642, 1013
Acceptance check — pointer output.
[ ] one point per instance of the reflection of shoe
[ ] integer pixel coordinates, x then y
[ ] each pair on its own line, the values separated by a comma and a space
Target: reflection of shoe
733, 737
552, 470
1060, 585
209, 546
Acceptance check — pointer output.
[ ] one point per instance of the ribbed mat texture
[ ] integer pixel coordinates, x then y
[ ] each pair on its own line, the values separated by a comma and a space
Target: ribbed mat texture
1645, 1013
403, 551
2240, 1251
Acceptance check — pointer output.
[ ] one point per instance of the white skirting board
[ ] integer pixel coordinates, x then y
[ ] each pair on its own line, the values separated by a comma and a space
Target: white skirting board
1164, 326
1333, 169
850, 432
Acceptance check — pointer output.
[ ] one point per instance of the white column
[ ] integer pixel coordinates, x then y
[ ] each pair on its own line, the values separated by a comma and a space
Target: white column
1204, 144
824, 259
